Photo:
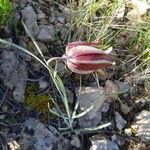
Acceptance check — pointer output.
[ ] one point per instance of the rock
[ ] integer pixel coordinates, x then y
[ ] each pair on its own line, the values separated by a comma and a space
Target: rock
111, 90
125, 108
134, 14
70, 95
118, 140
147, 87
103, 144
139, 8
123, 87
66, 12
61, 68
67, 25
23, 3
3, 142
18, 16
105, 107
2, 117
121, 12
30, 19
63, 30
43, 22
42, 84
42, 2
134, 90
23, 43
43, 87
52, 18
87, 96
141, 102
34, 135
61, 19
141, 125
120, 121
128, 132
75, 141
2, 94
13, 145
15, 74
41, 15
46, 33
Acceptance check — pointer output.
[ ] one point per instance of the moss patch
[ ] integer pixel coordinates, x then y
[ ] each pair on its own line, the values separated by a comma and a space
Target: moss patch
38, 102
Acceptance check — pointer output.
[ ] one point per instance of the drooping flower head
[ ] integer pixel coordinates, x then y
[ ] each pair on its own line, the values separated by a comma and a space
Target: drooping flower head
84, 57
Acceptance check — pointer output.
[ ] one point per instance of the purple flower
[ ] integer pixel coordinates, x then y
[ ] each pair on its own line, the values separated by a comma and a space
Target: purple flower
84, 57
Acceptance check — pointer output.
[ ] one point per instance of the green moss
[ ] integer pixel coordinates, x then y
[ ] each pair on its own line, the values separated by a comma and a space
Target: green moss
38, 102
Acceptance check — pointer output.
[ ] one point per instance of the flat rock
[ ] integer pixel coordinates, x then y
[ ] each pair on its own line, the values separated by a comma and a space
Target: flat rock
103, 144
30, 19
34, 135
139, 8
123, 87
14, 74
41, 15
46, 33
88, 96
120, 121
141, 125
111, 90
61, 19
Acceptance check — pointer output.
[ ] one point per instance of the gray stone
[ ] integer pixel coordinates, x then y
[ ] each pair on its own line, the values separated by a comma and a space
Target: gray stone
125, 108
147, 87
128, 132
2, 116
70, 95
43, 22
23, 3
52, 18
111, 90
141, 125
36, 135
105, 107
117, 139
121, 12
123, 87
66, 12
75, 141
103, 144
87, 96
46, 34
41, 15
141, 101
14, 74
30, 19
23, 42
61, 19
13, 145
61, 68
120, 121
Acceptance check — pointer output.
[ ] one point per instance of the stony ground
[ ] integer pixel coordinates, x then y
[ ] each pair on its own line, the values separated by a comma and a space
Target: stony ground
25, 121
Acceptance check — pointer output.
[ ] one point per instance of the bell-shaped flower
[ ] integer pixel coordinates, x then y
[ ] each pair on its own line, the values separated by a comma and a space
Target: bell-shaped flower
84, 57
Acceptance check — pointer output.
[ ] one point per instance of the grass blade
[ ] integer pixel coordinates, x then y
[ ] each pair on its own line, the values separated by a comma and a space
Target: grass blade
84, 112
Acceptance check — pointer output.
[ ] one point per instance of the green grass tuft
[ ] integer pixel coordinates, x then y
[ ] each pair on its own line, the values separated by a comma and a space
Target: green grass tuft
6, 9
